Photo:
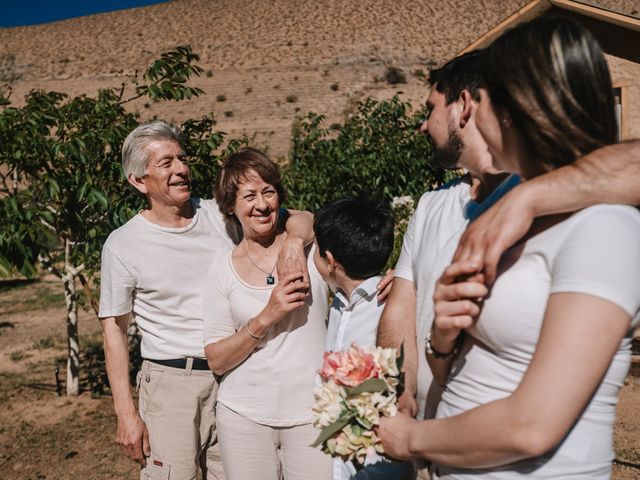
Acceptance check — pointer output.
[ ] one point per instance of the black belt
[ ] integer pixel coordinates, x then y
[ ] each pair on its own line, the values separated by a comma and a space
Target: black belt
198, 363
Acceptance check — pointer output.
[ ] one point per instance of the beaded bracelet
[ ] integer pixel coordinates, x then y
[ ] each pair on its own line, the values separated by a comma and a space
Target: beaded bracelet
440, 355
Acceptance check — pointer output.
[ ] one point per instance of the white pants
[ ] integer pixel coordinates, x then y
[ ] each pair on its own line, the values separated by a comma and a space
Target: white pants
251, 451
177, 406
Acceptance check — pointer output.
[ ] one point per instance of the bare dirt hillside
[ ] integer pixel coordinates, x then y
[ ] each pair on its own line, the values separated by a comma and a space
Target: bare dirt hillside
269, 60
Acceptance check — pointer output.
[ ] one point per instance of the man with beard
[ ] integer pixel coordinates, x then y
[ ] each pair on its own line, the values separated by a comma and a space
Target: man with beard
442, 216
439, 220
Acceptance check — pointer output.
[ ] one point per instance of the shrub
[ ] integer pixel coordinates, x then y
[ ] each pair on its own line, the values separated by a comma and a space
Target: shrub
394, 76
377, 150
420, 74
221, 98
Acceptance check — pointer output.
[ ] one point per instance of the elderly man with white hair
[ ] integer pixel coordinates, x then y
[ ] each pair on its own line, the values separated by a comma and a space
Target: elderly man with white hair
153, 268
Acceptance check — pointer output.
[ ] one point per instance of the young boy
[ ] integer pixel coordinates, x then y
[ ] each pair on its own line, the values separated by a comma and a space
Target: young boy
354, 238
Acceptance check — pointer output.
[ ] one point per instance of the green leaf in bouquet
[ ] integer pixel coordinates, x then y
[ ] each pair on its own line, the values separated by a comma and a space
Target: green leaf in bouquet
400, 360
371, 385
330, 430
399, 363
362, 424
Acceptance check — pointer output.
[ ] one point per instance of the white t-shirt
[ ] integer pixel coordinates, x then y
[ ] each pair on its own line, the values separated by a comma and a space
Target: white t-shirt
274, 385
428, 246
353, 319
595, 252
158, 273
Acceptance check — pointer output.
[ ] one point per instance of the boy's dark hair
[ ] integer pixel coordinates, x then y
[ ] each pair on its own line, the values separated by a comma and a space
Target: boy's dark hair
461, 73
359, 234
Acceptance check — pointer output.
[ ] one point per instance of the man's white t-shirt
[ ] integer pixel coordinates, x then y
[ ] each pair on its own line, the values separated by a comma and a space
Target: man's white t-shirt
595, 252
428, 246
274, 385
157, 273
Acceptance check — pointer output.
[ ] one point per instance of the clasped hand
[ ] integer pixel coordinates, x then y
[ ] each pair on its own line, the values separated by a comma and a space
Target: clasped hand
457, 302
288, 295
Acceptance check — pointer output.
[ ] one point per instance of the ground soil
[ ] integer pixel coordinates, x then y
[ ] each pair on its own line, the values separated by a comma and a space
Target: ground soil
47, 436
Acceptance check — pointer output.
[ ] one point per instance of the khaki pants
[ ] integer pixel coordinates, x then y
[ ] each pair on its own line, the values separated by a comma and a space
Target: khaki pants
177, 406
251, 451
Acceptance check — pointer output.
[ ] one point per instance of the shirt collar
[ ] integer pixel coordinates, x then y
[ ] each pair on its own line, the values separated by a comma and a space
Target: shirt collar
368, 288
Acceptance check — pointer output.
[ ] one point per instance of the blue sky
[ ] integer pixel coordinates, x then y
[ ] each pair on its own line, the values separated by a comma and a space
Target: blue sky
29, 12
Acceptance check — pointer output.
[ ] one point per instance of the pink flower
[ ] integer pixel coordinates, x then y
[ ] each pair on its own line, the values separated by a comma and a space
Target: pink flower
349, 368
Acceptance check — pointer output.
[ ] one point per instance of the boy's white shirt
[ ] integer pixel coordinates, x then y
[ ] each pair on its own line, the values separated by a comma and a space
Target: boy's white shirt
353, 319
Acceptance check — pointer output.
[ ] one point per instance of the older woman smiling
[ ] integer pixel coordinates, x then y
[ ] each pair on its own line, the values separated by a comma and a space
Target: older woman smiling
263, 333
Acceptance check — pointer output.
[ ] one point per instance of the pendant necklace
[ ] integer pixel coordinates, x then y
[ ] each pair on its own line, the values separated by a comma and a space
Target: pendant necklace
271, 280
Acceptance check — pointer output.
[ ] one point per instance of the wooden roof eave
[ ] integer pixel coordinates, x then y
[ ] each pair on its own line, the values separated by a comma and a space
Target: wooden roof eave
538, 7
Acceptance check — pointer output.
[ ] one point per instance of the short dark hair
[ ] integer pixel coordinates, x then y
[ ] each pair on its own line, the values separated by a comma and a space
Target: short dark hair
461, 73
359, 234
234, 171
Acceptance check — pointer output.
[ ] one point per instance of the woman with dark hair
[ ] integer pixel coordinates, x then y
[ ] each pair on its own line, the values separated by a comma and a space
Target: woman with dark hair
263, 333
532, 374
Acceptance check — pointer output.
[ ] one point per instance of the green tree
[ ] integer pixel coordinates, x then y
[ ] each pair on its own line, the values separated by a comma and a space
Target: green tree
63, 190
377, 151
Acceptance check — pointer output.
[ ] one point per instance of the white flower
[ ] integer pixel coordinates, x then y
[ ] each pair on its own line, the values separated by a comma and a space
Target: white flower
365, 406
385, 358
406, 201
385, 404
328, 405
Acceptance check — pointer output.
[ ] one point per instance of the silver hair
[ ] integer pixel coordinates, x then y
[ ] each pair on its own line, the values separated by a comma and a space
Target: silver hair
134, 154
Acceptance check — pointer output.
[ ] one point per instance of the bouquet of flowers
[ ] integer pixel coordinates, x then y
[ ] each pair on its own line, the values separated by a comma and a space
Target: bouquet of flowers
358, 386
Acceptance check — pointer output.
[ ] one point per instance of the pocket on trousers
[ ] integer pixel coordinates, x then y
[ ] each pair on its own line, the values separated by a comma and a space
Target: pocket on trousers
150, 382
156, 472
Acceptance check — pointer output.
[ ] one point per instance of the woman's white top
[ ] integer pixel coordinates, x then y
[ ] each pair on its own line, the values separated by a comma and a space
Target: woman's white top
274, 385
594, 252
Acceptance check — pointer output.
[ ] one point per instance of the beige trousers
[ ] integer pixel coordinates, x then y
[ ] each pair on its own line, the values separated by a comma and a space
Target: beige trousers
177, 406
251, 451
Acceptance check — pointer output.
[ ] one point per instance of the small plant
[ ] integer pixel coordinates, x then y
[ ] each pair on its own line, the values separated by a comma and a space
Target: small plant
276, 87
335, 87
221, 98
248, 90
209, 73
16, 356
228, 113
43, 343
292, 98
420, 74
394, 76
147, 105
